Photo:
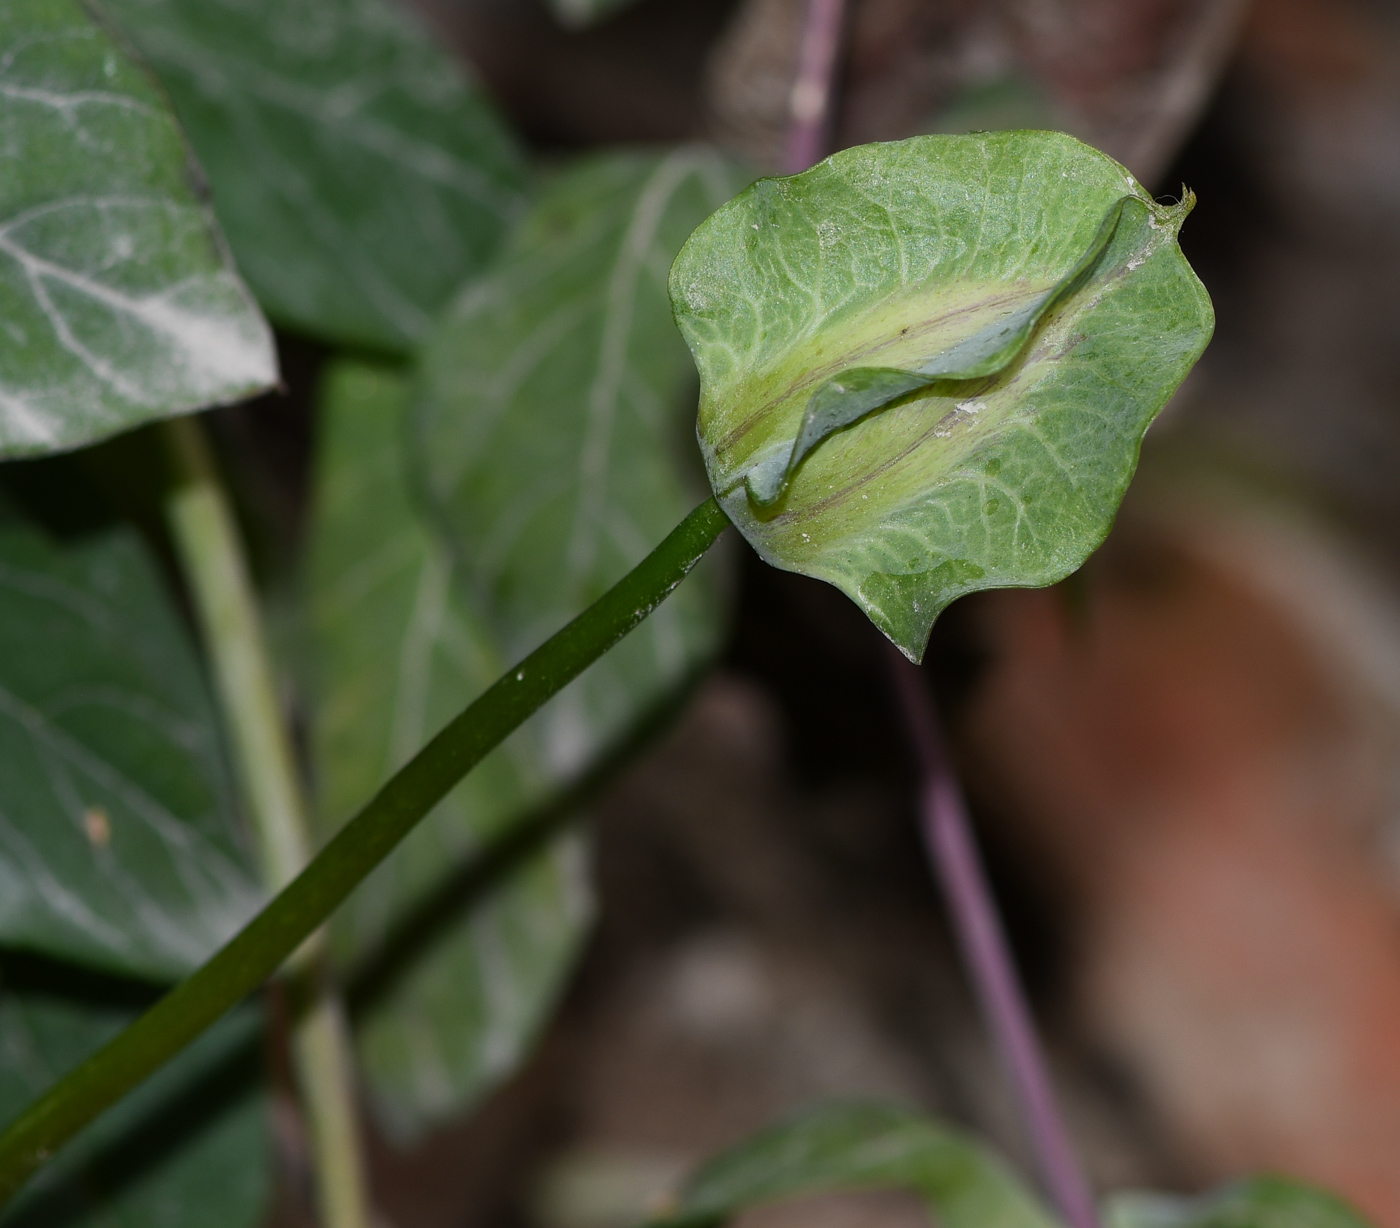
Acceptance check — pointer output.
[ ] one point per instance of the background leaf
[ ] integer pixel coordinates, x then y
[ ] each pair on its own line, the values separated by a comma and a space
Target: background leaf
579, 13
863, 1146
360, 176
118, 843
553, 430
399, 652
188, 1149
1257, 1202
884, 256
117, 301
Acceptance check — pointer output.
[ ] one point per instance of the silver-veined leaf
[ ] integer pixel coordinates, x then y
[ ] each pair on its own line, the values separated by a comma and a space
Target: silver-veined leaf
855, 1147
926, 367
118, 303
398, 653
359, 174
118, 841
553, 430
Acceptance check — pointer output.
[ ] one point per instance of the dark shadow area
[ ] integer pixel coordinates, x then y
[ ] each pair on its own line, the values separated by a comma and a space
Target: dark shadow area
433, 917
26, 972
636, 77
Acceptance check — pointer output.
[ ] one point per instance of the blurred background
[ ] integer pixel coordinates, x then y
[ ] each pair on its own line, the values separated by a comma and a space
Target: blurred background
1184, 762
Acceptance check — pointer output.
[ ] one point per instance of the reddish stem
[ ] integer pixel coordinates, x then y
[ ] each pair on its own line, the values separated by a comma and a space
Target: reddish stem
948, 839
947, 834
809, 108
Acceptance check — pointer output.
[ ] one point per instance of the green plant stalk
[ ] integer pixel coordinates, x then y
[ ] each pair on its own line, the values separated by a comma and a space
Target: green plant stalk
323, 1060
211, 555
261, 947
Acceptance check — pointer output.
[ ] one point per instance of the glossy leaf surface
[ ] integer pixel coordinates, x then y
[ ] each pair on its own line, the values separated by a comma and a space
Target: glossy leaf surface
1257, 1202
359, 175
553, 429
399, 652
118, 845
118, 303
853, 1147
189, 1149
1031, 277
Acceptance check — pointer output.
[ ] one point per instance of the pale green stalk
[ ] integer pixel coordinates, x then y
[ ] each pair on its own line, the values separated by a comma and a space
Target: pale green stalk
211, 556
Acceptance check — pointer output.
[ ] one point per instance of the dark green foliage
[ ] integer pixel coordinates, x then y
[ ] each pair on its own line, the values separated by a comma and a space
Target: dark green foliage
118, 841
861, 1146
118, 303
399, 653
189, 1150
358, 173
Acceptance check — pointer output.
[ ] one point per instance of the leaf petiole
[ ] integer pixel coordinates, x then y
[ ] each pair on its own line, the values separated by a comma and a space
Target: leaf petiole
211, 555
260, 948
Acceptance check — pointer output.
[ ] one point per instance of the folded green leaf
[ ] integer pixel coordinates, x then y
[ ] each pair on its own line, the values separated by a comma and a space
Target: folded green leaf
189, 1149
1013, 305
118, 844
854, 1147
118, 303
399, 652
1257, 1202
846, 398
553, 430
359, 175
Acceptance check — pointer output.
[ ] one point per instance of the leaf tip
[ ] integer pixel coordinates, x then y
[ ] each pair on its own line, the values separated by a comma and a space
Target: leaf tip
1171, 217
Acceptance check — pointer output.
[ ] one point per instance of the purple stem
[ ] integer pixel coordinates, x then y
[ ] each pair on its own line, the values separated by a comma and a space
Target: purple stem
947, 834
948, 838
810, 102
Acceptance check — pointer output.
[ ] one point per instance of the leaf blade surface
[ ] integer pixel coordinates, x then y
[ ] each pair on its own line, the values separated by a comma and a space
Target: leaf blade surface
1255, 1202
117, 299
359, 173
118, 842
551, 431
189, 1149
860, 1146
399, 653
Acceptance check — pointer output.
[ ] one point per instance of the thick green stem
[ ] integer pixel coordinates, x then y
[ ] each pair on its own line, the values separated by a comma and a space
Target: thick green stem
255, 953
211, 556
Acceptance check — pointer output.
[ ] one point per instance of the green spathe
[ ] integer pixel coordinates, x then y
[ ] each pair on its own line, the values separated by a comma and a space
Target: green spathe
926, 367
